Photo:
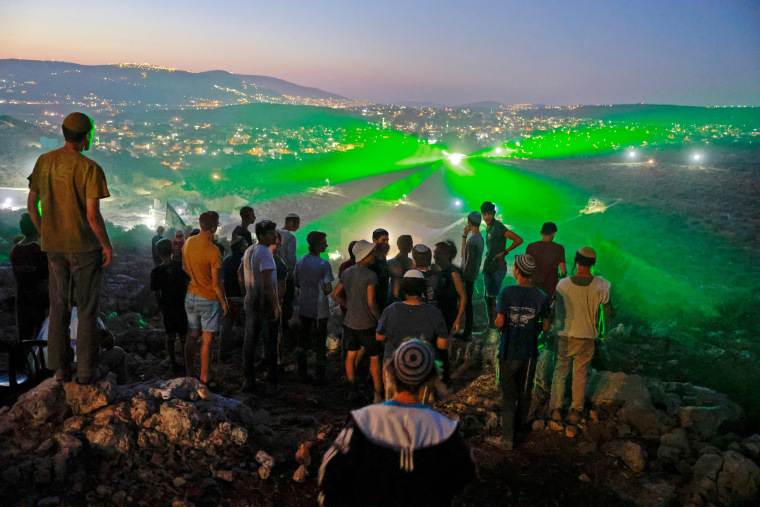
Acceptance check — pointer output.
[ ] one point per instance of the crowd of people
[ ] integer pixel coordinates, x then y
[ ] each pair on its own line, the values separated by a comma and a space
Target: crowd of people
402, 313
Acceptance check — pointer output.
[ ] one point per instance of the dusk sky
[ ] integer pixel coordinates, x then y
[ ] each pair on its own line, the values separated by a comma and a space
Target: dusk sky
451, 52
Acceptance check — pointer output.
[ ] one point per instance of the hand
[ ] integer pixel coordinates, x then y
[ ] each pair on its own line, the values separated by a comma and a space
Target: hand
466, 230
277, 311
107, 255
457, 326
500, 257
225, 308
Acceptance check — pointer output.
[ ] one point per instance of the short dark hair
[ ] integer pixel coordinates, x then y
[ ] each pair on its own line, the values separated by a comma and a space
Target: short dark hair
245, 210
549, 228
405, 242
379, 233
523, 273
73, 137
584, 261
313, 239
351, 250
448, 248
160, 229
413, 286
164, 248
26, 225
208, 220
194, 232
422, 259
264, 227
488, 207
289, 220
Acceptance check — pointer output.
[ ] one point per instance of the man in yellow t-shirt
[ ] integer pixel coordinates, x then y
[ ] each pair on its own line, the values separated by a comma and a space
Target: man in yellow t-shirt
65, 189
201, 260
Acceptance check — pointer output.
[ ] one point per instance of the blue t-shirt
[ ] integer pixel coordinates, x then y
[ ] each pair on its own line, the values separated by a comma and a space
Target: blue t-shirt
401, 322
523, 309
312, 273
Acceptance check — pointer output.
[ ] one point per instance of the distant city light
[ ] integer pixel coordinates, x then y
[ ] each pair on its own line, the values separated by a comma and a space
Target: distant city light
7, 203
498, 150
454, 158
696, 156
457, 203
327, 181
631, 153
216, 176
651, 161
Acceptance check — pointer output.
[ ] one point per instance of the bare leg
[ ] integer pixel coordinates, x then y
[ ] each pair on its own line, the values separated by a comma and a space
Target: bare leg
206, 354
190, 346
375, 368
351, 365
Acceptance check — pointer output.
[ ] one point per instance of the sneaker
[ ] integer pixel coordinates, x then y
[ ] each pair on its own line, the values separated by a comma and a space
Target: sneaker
556, 415
500, 443
574, 417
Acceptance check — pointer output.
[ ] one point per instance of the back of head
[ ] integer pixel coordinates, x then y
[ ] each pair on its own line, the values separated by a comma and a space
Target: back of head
245, 211
164, 248
160, 230
351, 250
412, 365
413, 283
422, 256
448, 248
292, 218
313, 239
208, 220
405, 243
263, 227
525, 264
27, 226
548, 228
76, 126
585, 257
474, 218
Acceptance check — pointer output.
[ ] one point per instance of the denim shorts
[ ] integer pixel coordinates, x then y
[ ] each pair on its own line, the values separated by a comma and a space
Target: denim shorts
493, 281
202, 313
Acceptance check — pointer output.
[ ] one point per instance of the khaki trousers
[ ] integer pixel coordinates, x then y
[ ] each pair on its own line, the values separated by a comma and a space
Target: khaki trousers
579, 351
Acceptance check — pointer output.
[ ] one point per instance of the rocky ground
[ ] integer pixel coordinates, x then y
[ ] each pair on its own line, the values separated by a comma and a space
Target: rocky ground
161, 440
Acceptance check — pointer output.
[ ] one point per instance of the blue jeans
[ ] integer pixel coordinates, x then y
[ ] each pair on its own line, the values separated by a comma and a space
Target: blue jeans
202, 313
493, 281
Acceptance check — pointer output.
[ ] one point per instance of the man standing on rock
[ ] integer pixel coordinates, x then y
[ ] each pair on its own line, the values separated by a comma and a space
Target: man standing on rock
356, 291
65, 189
314, 278
247, 217
550, 260
522, 313
577, 303
202, 261
495, 264
288, 254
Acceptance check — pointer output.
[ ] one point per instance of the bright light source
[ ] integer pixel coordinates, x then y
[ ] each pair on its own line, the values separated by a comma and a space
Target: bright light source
334, 256
651, 161
498, 150
455, 158
457, 203
7, 203
150, 222
216, 176
631, 154
696, 156
432, 141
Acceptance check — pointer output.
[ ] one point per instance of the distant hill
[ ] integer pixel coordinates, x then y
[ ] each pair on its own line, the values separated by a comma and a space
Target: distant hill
17, 133
257, 115
136, 86
654, 113
485, 105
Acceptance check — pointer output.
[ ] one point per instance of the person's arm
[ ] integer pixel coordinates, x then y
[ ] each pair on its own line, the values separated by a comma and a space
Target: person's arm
270, 292
396, 287
606, 309
547, 324
339, 295
563, 269
516, 241
241, 278
99, 228
464, 241
34, 212
459, 286
216, 282
371, 301
500, 320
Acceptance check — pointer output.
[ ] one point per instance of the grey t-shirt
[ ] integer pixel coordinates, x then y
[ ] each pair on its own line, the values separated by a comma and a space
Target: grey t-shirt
312, 273
472, 257
355, 281
401, 322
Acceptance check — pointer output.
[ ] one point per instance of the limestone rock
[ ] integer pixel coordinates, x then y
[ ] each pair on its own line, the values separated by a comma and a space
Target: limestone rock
303, 455
677, 438
43, 403
264, 459
111, 439
264, 472
654, 494
300, 474
642, 416
69, 448
606, 387
538, 424
631, 453
704, 421
668, 454
83, 399
739, 478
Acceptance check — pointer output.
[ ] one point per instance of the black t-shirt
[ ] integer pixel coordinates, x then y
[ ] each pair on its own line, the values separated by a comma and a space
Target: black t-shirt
380, 267
495, 244
239, 230
447, 298
170, 281
230, 266
30, 269
153, 244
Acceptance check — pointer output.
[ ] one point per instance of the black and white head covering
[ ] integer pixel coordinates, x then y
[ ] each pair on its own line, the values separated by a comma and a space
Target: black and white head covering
413, 362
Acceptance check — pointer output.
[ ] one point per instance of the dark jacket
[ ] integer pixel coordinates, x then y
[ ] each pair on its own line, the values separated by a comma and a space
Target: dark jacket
395, 454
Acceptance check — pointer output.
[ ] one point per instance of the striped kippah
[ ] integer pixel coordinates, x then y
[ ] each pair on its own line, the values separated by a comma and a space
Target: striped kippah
413, 362
525, 263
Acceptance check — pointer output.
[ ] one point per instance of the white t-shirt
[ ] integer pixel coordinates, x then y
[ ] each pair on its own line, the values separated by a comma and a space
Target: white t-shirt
256, 260
288, 251
312, 273
576, 307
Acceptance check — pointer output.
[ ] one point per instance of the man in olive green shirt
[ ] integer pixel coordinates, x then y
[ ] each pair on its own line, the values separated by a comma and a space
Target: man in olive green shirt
65, 189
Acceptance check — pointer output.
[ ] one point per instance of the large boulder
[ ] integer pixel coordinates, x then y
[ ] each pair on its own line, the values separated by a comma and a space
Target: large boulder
738, 480
83, 399
630, 453
644, 417
606, 387
46, 402
704, 421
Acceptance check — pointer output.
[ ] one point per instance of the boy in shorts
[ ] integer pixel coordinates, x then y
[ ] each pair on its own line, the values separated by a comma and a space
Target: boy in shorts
170, 284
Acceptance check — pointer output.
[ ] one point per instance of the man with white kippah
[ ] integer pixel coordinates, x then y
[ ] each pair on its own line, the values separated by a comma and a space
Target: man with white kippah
357, 290
411, 319
522, 313
577, 304
400, 452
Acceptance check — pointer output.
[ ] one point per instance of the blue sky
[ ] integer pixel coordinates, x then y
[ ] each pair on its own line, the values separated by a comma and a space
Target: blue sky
554, 52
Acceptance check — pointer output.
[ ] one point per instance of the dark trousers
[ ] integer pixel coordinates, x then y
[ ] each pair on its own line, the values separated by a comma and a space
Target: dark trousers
469, 288
313, 334
287, 303
258, 324
516, 380
74, 281
30, 314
